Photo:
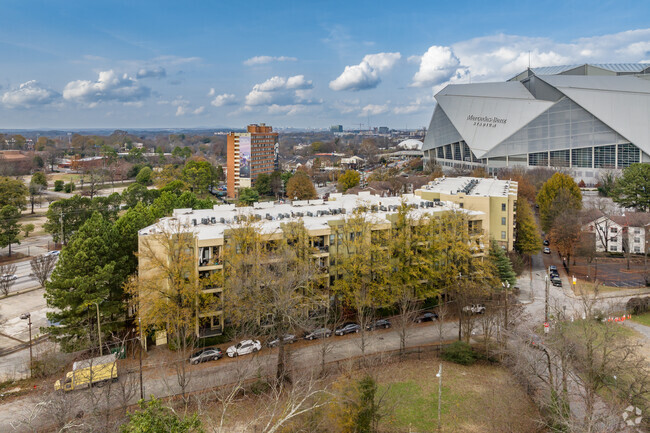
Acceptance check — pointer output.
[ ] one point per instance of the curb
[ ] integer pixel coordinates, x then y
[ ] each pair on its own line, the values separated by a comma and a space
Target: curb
20, 292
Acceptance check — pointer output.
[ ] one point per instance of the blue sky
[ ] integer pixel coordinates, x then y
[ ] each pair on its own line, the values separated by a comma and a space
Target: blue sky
128, 64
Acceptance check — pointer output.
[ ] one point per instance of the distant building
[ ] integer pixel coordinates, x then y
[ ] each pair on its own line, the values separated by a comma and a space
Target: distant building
620, 233
353, 162
250, 154
383, 130
76, 163
336, 128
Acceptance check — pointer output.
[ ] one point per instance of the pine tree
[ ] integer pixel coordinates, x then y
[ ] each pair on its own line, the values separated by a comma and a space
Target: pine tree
528, 240
502, 263
9, 226
91, 270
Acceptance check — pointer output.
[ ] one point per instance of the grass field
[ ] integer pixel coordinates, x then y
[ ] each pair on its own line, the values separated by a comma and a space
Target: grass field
479, 398
643, 319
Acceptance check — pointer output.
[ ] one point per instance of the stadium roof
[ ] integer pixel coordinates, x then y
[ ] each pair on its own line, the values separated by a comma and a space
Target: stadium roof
587, 69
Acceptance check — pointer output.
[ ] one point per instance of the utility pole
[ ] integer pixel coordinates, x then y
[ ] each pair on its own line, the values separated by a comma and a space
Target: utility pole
28, 317
141, 348
546, 299
506, 285
439, 375
62, 239
99, 331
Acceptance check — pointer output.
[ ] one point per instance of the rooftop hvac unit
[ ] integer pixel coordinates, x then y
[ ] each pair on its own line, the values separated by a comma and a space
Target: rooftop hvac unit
213, 220
222, 220
269, 217
205, 221
310, 214
342, 210
382, 208
280, 216
193, 221
236, 218
334, 211
286, 215
300, 214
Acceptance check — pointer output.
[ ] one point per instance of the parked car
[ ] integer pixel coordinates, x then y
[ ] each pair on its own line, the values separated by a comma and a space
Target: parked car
244, 347
547, 250
474, 309
556, 282
287, 339
347, 328
54, 253
318, 333
546, 242
552, 268
8, 277
425, 316
379, 323
207, 354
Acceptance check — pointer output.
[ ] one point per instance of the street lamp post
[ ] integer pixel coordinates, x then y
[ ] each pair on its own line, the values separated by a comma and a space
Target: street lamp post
546, 299
506, 285
439, 376
140, 351
28, 317
99, 330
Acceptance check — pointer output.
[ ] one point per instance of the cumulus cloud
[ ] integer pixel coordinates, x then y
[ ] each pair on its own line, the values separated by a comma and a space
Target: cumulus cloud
261, 60
223, 99
499, 57
437, 65
281, 91
157, 72
365, 75
108, 87
419, 104
374, 109
29, 94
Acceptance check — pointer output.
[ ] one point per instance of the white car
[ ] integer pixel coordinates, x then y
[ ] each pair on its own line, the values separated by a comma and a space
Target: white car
54, 253
8, 277
244, 347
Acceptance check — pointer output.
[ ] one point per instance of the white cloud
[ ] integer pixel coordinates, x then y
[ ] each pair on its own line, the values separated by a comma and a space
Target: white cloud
29, 94
157, 72
374, 109
261, 60
281, 91
108, 87
419, 104
211, 92
181, 110
365, 75
199, 110
223, 99
437, 65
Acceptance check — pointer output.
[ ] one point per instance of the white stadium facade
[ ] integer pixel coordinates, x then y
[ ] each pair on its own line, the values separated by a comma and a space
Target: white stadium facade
580, 118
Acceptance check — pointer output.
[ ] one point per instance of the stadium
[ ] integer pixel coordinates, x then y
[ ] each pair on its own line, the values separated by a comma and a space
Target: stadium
580, 118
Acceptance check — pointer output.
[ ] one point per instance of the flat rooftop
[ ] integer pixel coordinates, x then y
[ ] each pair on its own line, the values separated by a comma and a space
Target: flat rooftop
472, 186
315, 214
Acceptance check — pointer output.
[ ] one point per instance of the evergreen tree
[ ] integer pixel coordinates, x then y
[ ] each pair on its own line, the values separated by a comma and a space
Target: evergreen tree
263, 184
528, 239
127, 226
153, 417
504, 270
632, 189
13, 192
91, 269
9, 227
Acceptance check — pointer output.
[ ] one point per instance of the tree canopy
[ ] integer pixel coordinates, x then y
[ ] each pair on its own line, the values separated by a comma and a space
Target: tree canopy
13, 192
300, 187
9, 227
559, 193
528, 239
348, 180
502, 263
632, 189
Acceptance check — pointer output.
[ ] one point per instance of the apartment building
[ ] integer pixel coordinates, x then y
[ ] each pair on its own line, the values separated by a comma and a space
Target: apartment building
620, 233
212, 229
495, 199
250, 154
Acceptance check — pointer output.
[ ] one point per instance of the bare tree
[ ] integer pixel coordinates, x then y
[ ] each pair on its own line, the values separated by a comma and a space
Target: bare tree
407, 309
7, 277
42, 267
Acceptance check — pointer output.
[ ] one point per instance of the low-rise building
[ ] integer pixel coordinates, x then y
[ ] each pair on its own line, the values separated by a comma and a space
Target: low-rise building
620, 233
212, 229
495, 199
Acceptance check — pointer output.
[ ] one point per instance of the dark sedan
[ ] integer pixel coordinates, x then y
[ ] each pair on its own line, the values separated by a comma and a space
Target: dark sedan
347, 328
318, 333
426, 316
208, 354
287, 339
381, 323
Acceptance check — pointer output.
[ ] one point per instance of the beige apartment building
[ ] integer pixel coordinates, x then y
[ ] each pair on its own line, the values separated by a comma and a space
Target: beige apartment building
494, 199
211, 230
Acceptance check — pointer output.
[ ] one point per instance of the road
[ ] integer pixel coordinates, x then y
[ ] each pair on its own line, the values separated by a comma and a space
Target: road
161, 380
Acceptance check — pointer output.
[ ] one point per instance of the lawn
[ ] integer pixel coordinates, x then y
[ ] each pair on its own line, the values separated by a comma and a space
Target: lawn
643, 319
481, 398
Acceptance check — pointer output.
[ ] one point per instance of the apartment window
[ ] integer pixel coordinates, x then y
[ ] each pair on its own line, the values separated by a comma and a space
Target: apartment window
503, 235
613, 230
503, 207
637, 240
613, 248
637, 249
637, 231
503, 221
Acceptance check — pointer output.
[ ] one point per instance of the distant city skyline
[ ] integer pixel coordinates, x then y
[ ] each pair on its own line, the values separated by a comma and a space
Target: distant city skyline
145, 64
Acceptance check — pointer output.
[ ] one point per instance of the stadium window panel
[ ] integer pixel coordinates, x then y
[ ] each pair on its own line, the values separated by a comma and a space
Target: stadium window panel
539, 159
441, 152
605, 156
627, 154
457, 155
559, 158
581, 157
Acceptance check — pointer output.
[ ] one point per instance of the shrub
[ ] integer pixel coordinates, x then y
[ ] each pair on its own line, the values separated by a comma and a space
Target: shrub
638, 305
69, 187
58, 185
460, 353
